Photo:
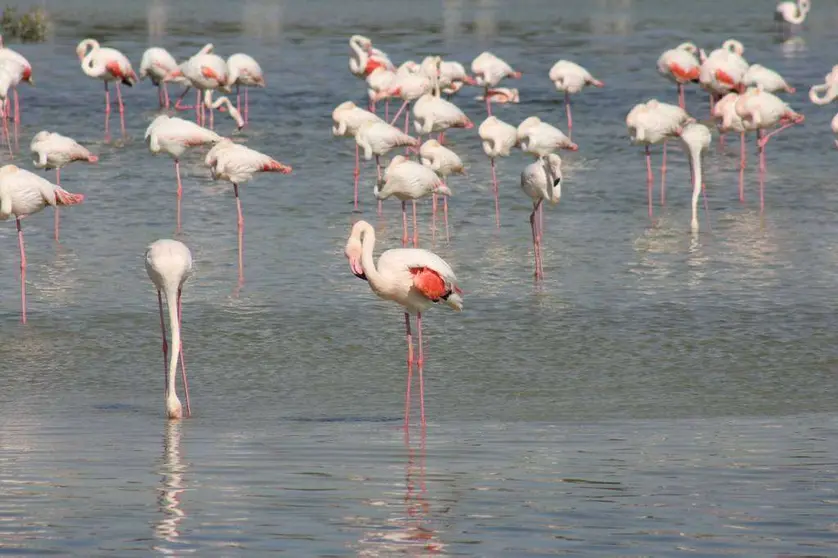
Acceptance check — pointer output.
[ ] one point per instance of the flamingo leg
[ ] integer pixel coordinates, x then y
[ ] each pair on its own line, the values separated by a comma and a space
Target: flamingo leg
160, 95
433, 218
240, 222
398, 113
663, 176
17, 106
246, 106
6, 127
445, 210
534, 238
107, 113
179, 193
199, 108
488, 103
165, 95
22, 271
415, 227
540, 233
407, 121
404, 224
211, 116
238, 99
121, 109
56, 216
409, 338
742, 157
182, 364
497, 193
378, 171
649, 178
421, 363
569, 115
357, 173
178, 105
165, 343
681, 100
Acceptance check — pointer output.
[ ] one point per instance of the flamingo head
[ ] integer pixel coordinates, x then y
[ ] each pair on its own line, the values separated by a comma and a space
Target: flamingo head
468, 80
353, 254
442, 190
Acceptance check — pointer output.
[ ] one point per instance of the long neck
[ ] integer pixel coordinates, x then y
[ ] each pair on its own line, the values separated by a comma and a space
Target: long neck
830, 91
367, 261
174, 325
360, 61
695, 166
799, 14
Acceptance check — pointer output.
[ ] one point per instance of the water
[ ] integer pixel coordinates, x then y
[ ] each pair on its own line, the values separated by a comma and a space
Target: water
660, 394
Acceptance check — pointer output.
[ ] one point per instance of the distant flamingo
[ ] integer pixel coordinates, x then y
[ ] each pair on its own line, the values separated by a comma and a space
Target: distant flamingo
570, 78
834, 125
501, 96
408, 180
348, 118
244, 71
433, 114
25, 75
488, 72
829, 88
411, 277
223, 104
53, 151
11, 74
365, 58
444, 162
792, 13
696, 139
377, 139
237, 164
23, 193
411, 85
498, 138
168, 264
205, 71
156, 64
107, 64
766, 79
453, 75
682, 65
172, 135
539, 138
541, 186
724, 112
724, 70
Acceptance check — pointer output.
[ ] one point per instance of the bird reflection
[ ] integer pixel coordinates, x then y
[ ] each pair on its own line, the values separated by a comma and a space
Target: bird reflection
172, 470
261, 19
793, 46
156, 18
409, 534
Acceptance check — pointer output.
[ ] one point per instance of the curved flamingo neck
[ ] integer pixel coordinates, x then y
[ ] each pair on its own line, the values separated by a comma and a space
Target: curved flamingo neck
367, 235
359, 62
173, 406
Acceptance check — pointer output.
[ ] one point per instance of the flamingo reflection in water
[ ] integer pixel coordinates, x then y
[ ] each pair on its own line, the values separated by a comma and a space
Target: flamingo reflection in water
171, 486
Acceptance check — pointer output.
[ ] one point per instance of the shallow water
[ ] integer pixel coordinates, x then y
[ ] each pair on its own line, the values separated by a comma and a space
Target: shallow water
661, 393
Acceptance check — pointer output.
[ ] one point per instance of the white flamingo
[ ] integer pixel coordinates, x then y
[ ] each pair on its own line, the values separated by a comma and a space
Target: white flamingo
829, 88
244, 71
681, 65
444, 162
542, 181
348, 118
724, 112
766, 79
377, 138
792, 13
488, 71
365, 57
107, 64
156, 64
9, 54
696, 139
498, 138
205, 71
570, 78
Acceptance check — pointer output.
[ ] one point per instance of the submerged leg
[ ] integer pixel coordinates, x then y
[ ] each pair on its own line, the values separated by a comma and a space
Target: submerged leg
179, 193
569, 115
534, 238
378, 172
497, 193
421, 363
121, 109
357, 173
445, 210
404, 224
415, 227
165, 343
409, 338
742, 157
663, 176
649, 179
488, 103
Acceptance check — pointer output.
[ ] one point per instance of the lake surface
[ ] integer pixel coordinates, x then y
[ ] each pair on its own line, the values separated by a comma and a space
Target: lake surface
660, 394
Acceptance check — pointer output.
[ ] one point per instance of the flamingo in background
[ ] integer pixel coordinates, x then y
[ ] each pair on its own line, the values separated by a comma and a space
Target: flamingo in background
365, 58
723, 71
539, 138
498, 138
156, 64
570, 78
204, 71
377, 138
107, 64
488, 72
696, 139
792, 13
452, 77
834, 125
501, 96
23, 193
411, 277
766, 79
244, 70
348, 118
223, 103
432, 114
173, 135
25, 75
11, 74
681, 64
724, 112
169, 264
829, 88
237, 164
444, 163
541, 181
410, 84
379, 87
53, 151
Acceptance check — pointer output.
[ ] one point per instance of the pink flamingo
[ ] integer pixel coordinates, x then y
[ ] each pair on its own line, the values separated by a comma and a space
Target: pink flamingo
723, 71
237, 164
7, 54
570, 78
204, 71
23, 193
501, 96
541, 180
53, 151
766, 79
365, 58
107, 64
498, 138
156, 64
378, 138
444, 163
244, 71
488, 72
348, 118
168, 264
411, 277
724, 112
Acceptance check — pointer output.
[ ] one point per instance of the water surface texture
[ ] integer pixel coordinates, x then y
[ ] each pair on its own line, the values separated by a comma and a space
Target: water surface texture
661, 394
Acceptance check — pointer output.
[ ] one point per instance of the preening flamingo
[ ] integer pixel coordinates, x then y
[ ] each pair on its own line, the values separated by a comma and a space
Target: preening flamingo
223, 103
173, 135
379, 86
829, 88
23, 193
432, 114
107, 64
452, 76
156, 64
53, 151
792, 13
488, 72
570, 78
539, 138
25, 74
169, 264
724, 70
365, 58
696, 140
244, 71
682, 65
408, 180
766, 79
411, 277
377, 138
444, 162
348, 118
498, 138
541, 181
501, 96
237, 164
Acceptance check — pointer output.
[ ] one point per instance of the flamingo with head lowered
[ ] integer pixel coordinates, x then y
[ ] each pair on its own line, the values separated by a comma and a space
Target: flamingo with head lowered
156, 64
244, 71
570, 78
107, 64
682, 65
25, 74
488, 71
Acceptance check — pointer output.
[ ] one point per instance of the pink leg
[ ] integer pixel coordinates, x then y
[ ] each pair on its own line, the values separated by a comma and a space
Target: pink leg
488, 103
409, 337
179, 193
569, 116
211, 117
433, 219
398, 113
534, 227
199, 108
165, 343
445, 210
663, 176
378, 171
22, 271
56, 216
742, 157
386, 109
241, 232
415, 227
160, 95
407, 120
421, 363
238, 99
441, 138
712, 104
721, 140
246, 106
182, 364
107, 113
681, 102
706, 207
540, 238
6, 133
649, 179
404, 224
17, 107
179, 106
121, 109
357, 173
497, 194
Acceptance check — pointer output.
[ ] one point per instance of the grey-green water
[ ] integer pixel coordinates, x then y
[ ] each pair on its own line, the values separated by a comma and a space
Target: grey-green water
661, 394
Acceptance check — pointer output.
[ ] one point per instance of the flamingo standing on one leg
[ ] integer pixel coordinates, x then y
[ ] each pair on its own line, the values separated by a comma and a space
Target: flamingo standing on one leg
682, 65
377, 138
107, 64
696, 139
444, 162
172, 135
408, 180
14, 56
488, 72
53, 151
156, 64
168, 264
244, 71
724, 112
11, 74
237, 164
348, 118
23, 193
570, 78
498, 138
411, 277
541, 180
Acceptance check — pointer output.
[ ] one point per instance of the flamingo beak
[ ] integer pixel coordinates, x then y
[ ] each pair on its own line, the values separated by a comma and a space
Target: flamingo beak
468, 80
357, 269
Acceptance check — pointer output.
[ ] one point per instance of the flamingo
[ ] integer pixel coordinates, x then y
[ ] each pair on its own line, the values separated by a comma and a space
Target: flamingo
539, 138
792, 13
53, 151
107, 64
681, 64
834, 125
444, 162
365, 58
408, 180
651, 123
23, 193
379, 86
169, 264
412, 277
765, 110
237, 164
432, 114
829, 89
696, 140
498, 138
411, 84
766, 79
724, 112
452, 77
488, 72
348, 118
11, 74
223, 103
205, 71
377, 138
173, 135
570, 78
724, 70
501, 95
244, 71
156, 64
536, 184
9, 54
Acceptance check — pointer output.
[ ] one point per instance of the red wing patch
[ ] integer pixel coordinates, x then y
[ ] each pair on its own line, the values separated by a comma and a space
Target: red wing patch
276, 166
209, 73
682, 73
27, 73
429, 282
725, 78
114, 69
372, 64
